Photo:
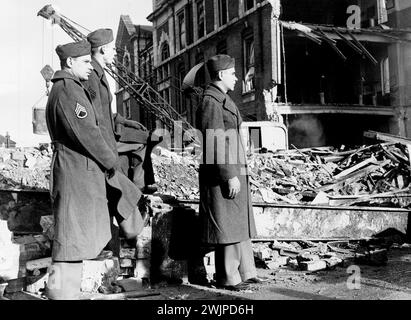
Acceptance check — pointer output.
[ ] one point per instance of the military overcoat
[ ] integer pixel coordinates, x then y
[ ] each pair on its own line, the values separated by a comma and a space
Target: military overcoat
77, 180
123, 194
223, 220
99, 89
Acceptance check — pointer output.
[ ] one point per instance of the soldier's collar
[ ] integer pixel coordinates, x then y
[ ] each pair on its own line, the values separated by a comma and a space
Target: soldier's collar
62, 74
97, 67
215, 92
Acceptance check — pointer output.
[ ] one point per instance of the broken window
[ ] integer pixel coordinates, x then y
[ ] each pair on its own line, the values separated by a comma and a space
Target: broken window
181, 30
200, 19
163, 72
126, 61
222, 12
165, 51
248, 4
248, 63
160, 74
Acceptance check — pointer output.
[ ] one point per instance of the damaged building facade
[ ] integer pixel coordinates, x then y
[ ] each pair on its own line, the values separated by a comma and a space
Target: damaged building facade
329, 64
134, 44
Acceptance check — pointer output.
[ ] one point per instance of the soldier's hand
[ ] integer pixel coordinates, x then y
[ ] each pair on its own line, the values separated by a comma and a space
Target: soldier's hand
234, 186
110, 173
134, 124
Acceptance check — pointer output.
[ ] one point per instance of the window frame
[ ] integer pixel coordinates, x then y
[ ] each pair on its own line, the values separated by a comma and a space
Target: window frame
246, 3
182, 36
198, 15
248, 45
221, 20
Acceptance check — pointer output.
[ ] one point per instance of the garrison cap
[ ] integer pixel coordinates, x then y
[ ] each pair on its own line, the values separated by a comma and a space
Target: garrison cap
100, 37
220, 62
73, 49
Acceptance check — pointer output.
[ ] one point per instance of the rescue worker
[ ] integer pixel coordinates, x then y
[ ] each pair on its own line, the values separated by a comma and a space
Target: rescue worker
102, 53
226, 215
81, 158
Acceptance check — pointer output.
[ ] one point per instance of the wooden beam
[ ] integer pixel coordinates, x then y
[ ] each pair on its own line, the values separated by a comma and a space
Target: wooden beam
331, 43
310, 37
386, 137
355, 167
336, 109
313, 207
365, 51
352, 45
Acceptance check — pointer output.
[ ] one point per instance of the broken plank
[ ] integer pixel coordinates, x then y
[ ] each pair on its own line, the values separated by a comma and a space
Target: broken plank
386, 137
352, 177
355, 167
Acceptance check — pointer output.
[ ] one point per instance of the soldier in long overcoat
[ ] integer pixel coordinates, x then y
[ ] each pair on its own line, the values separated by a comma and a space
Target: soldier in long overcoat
226, 215
130, 138
130, 218
81, 158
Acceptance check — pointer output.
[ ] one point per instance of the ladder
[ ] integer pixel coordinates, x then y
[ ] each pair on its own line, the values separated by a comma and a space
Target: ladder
133, 84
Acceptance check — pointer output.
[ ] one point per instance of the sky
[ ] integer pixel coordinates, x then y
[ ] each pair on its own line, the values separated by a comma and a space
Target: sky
28, 43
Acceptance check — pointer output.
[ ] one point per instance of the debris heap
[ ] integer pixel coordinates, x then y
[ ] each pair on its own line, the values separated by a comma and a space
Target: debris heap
376, 174
313, 256
176, 174
331, 176
25, 168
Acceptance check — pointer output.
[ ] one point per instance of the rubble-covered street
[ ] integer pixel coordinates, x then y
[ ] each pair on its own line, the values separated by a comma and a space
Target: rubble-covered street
369, 268
388, 282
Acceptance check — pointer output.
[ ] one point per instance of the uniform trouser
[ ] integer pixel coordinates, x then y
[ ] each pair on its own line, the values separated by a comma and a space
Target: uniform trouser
234, 263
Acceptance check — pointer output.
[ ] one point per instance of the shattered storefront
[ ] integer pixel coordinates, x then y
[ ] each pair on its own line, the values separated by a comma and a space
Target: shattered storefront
342, 66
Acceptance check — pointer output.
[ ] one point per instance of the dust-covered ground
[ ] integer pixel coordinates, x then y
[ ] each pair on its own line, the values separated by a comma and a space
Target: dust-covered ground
390, 282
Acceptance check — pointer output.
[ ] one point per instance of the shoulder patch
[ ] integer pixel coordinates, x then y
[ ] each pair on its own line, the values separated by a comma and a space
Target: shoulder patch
80, 111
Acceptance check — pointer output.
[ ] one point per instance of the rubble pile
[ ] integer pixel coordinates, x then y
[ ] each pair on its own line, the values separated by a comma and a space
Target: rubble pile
176, 174
307, 255
25, 168
329, 176
376, 174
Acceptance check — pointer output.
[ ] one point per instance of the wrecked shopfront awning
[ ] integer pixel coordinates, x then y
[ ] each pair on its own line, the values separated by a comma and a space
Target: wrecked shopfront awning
352, 37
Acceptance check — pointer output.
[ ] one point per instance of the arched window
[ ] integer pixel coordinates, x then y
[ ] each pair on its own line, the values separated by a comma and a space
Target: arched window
127, 60
165, 51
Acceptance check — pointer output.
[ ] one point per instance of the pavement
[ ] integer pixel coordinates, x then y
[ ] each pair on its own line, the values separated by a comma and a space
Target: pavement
350, 282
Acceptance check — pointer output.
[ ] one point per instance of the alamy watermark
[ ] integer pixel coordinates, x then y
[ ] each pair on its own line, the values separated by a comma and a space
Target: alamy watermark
354, 280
